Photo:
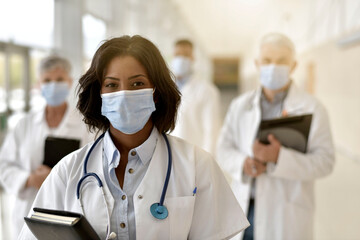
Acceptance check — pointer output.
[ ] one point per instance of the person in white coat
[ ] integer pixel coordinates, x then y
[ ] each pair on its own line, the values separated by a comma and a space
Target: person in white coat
22, 152
275, 184
129, 96
199, 117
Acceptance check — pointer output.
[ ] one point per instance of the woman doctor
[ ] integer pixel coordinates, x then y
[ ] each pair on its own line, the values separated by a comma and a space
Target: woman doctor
22, 152
128, 94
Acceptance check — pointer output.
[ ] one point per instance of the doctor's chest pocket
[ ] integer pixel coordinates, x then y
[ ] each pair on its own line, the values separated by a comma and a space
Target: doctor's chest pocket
181, 211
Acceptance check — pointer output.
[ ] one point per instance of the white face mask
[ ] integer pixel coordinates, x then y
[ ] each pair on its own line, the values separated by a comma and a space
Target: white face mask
128, 111
55, 93
181, 67
274, 76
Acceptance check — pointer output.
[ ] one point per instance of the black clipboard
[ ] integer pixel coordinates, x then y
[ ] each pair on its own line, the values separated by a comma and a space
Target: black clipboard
292, 132
52, 229
57, 148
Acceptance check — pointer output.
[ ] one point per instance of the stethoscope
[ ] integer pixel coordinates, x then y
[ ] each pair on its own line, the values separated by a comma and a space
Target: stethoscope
158, 210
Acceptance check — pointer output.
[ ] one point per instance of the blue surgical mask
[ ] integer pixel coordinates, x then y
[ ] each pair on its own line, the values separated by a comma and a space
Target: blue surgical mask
55, 93
181, 67
274, 76
128, 111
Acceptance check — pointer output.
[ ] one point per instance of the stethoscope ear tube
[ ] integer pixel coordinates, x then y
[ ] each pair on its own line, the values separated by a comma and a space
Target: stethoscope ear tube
85, 170
166, 183
83, 178
91, 149
158, 210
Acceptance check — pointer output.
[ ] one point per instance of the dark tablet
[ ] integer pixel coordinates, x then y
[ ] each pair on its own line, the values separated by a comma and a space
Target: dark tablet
57, 148
292, 132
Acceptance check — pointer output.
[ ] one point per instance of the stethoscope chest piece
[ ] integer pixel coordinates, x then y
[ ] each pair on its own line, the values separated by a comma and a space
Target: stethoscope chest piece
159, 211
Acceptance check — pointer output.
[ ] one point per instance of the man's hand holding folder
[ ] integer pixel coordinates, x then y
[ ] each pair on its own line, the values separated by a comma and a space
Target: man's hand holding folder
288, 131
267, 152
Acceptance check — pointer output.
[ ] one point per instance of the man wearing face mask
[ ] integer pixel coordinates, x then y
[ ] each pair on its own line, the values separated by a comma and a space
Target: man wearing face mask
22, 153
199, 113
273, 183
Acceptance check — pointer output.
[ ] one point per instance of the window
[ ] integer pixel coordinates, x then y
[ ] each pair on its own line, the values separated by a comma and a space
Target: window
26, 22
94, 32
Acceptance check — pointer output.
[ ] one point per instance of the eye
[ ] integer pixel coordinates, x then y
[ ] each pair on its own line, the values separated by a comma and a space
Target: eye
137, 84
60, 79
111, 85
47, 80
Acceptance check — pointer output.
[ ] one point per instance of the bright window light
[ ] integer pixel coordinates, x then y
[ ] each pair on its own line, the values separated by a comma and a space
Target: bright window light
27, 22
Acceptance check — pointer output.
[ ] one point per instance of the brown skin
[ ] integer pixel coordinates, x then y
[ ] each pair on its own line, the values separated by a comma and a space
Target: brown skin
126, 73
54, 116
263, 154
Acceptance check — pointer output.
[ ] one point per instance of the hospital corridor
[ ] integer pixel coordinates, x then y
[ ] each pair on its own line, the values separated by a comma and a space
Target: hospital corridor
180, 119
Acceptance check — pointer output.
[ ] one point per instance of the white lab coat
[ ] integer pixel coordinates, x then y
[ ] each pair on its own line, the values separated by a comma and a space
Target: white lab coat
284, 198
23, 151
198, 120
213, 213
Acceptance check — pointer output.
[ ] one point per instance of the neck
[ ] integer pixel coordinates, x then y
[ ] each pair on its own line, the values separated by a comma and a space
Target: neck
54, 115
270, 93
125, 142
56, 110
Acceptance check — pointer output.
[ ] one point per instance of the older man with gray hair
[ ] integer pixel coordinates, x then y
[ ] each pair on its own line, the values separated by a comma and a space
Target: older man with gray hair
22, 153
273, 183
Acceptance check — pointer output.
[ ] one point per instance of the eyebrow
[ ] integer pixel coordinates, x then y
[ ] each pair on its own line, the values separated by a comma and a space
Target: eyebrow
112, 78
136, 76
130, 78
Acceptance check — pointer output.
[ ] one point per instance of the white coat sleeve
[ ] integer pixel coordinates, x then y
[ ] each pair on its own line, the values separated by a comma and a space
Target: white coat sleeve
50, 196
217, 214
228, 155
319, 159
210, 121
13, 175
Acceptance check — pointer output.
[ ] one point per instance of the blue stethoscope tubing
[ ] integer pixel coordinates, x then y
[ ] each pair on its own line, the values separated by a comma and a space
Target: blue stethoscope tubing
158, 210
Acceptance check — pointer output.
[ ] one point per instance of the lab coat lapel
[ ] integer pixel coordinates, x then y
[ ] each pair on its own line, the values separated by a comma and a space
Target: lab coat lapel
149, 192
92, 192
293, 103
95, 164
256, 116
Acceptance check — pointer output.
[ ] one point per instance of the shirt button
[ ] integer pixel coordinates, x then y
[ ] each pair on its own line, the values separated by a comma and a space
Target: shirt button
131, 170
123, 197
133, 153
140, 196
122, 225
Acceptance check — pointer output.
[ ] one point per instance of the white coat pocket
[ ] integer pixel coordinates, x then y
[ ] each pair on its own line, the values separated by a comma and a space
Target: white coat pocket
181, 211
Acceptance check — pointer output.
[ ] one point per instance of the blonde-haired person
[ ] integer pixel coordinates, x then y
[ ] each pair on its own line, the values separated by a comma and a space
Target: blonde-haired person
275, 184
22, 153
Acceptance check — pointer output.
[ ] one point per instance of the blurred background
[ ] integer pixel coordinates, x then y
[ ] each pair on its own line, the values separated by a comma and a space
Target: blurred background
226, 33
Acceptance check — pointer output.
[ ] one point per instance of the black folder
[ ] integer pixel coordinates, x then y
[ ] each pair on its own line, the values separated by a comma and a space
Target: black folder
57, 148
53, 228
292, 132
